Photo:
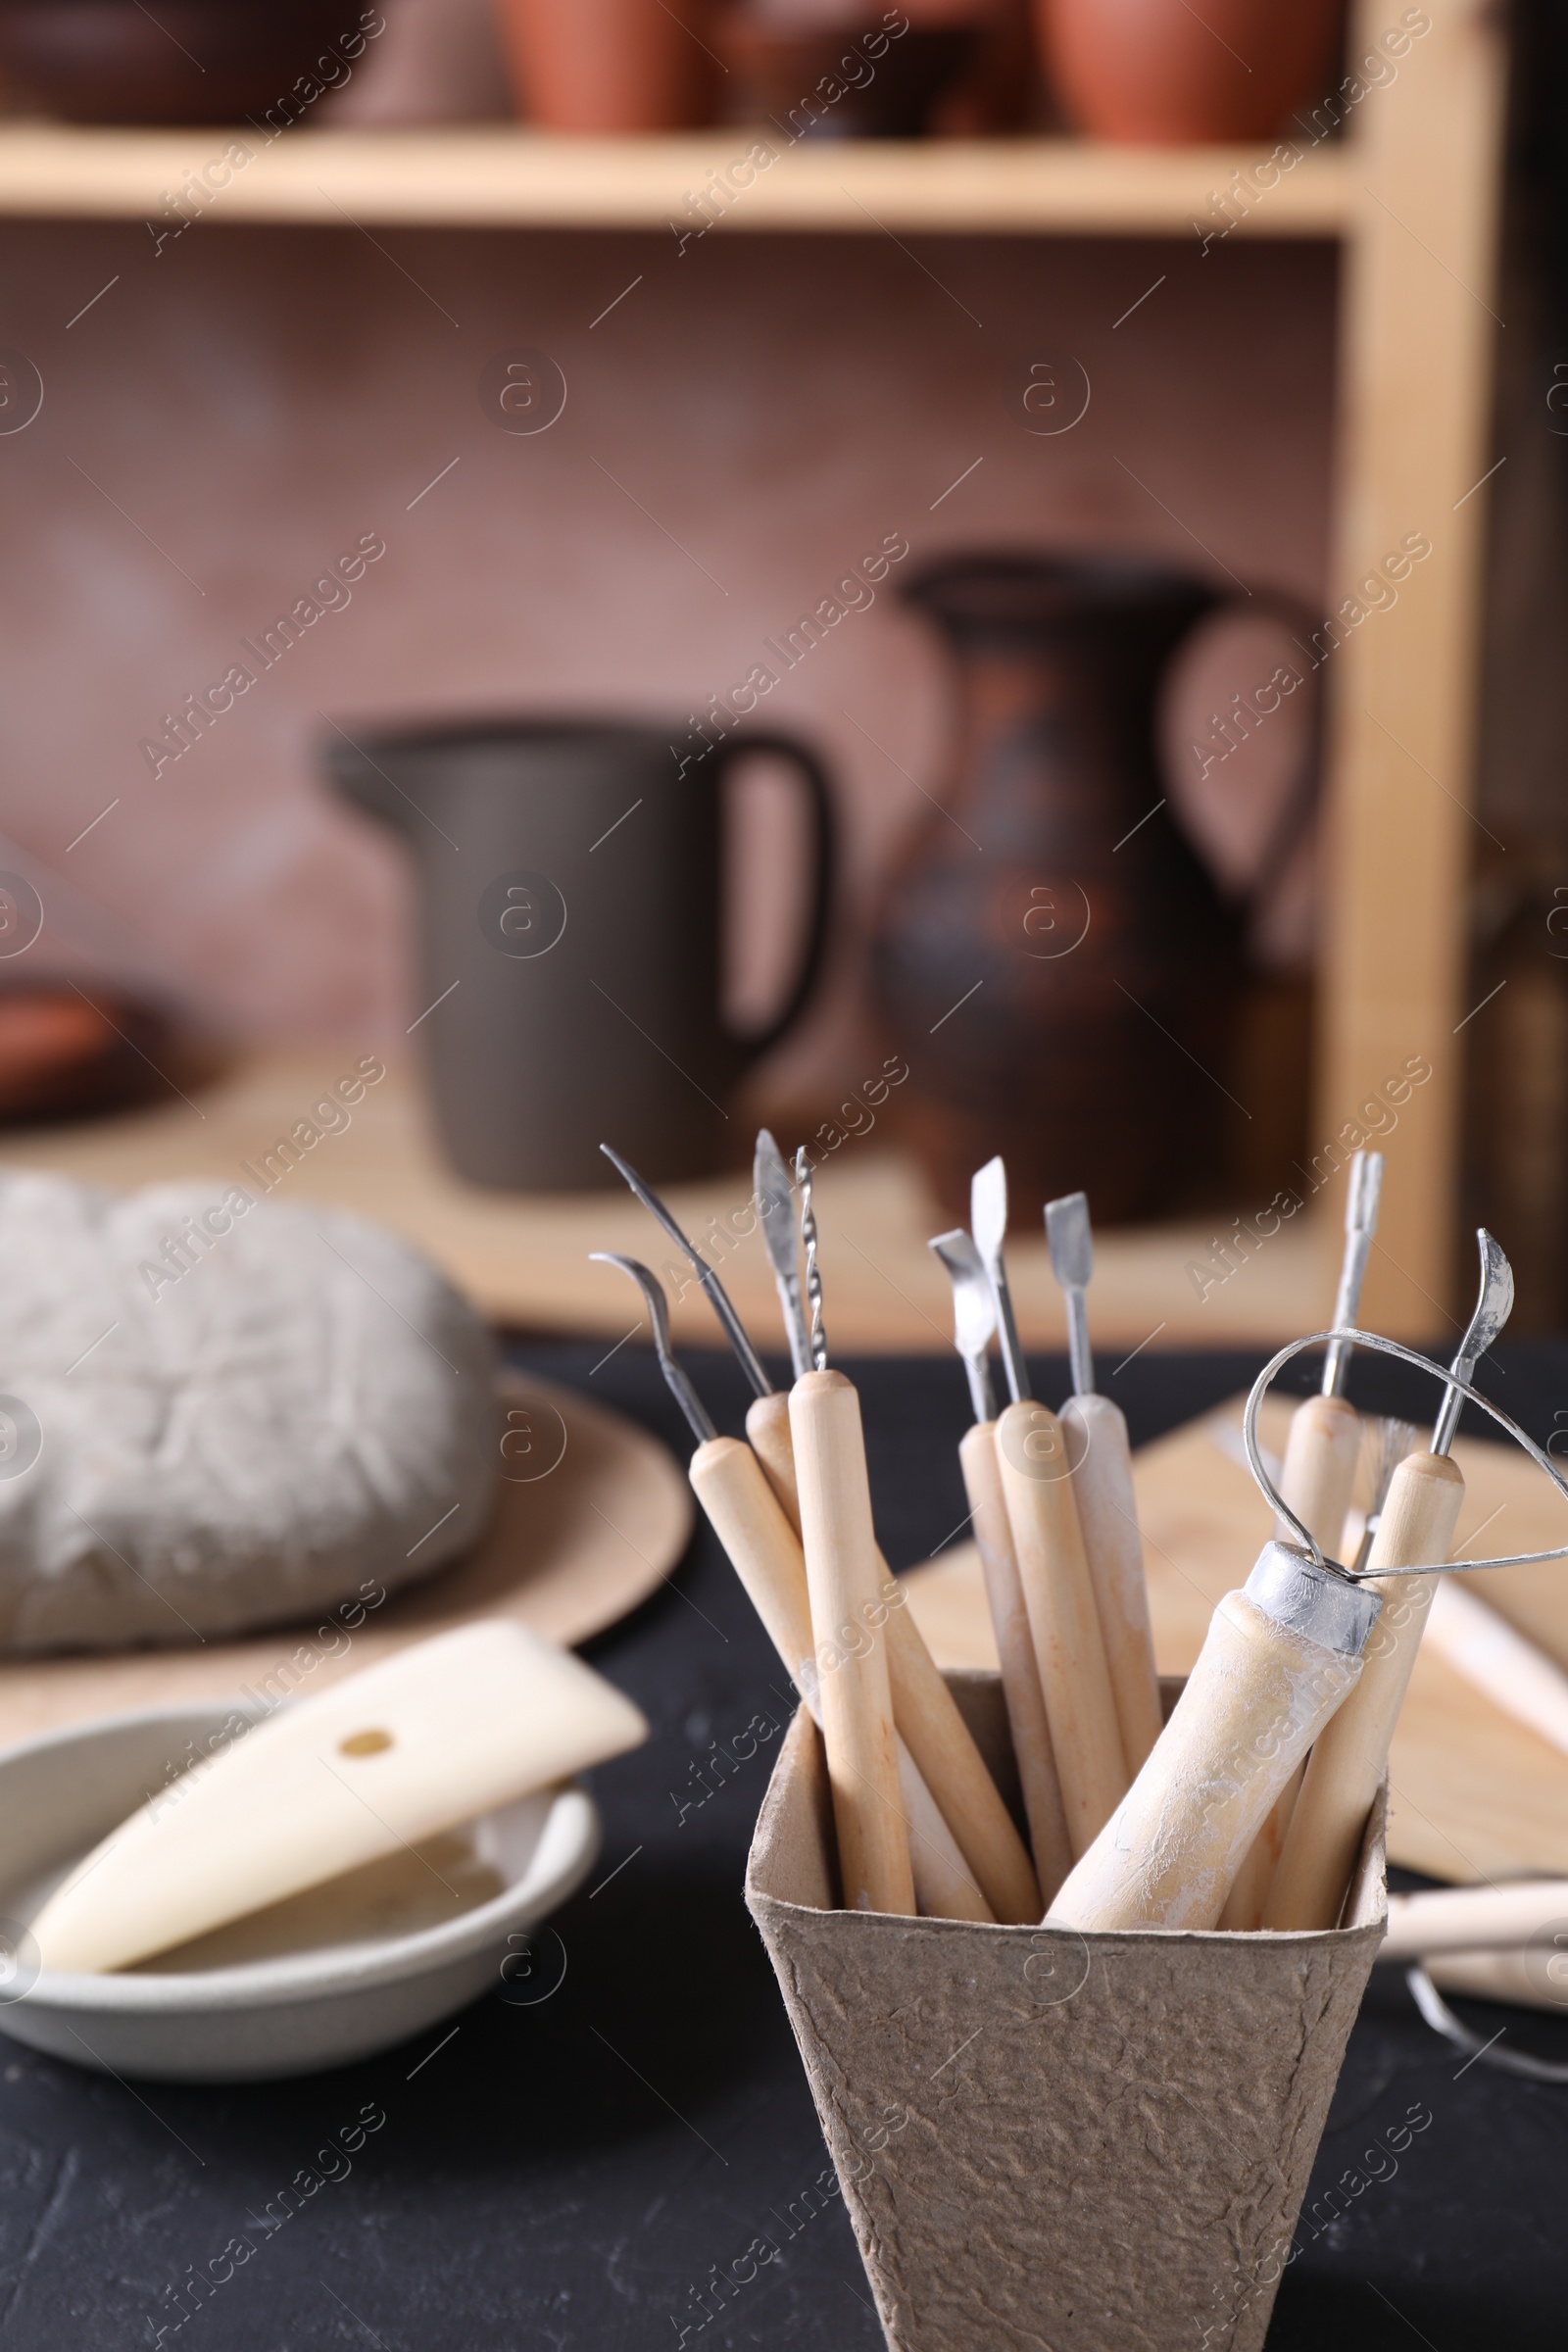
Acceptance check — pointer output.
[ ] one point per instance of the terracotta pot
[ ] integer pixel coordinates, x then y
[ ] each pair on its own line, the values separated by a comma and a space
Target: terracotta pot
1163, 73
1051, 956
609, 65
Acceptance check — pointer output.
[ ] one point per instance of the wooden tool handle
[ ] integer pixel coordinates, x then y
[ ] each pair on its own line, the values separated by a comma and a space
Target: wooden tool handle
1247, 1898
746, 1514
1321, 1453
1348, 1762
944, 1884
1473, 1919
943, 1745
1256, 1698
924, 1710
763, 1548
1048, 1547
1483, 1647
1101, 1463
1020, 1670
435, 1736
1320, 1458
843, 1578
767, 1425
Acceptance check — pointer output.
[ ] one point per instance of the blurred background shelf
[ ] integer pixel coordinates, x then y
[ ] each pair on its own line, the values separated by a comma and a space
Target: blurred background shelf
481, 176
525, 1260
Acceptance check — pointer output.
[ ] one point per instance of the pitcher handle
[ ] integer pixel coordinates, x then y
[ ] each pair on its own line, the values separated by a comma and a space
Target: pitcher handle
824, 869
1300, 804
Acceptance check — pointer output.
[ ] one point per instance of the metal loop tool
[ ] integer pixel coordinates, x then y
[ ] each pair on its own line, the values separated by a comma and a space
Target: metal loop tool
1447, 1379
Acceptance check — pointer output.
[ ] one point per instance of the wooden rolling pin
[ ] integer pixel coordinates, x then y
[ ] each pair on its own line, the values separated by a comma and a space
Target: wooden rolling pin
435, 1736
924, 1709
1280, 1656
843, 1576
765, 1551
1048, 1547
1020, 1668
1101, 1463
1348, 1762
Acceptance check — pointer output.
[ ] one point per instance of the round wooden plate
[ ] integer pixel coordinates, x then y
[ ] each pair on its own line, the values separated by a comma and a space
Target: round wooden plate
590, 1516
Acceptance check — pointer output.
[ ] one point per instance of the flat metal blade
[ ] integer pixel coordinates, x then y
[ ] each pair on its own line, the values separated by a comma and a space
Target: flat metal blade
987, 1222
775, 1204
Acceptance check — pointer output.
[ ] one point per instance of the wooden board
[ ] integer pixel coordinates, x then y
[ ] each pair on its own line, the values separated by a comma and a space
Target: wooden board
1474, 1795
568, 1552
524, 1257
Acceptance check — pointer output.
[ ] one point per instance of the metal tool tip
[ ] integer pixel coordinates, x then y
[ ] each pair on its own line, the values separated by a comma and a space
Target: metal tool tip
1071, 1238
1362, 1193
988, 1207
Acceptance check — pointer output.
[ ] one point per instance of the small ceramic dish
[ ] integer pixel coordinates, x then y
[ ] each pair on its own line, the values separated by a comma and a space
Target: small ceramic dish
330, 1975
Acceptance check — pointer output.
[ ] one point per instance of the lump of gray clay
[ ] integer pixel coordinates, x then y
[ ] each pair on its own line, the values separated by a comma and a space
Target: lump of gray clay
216, 1413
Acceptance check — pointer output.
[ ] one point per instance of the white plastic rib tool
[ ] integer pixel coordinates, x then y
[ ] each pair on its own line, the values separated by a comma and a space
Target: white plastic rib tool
1099, 1455
435, 1736
987, 1222
1280, 1658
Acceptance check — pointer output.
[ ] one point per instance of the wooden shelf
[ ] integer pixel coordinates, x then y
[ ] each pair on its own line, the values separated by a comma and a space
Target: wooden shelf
524, 1258
483, 176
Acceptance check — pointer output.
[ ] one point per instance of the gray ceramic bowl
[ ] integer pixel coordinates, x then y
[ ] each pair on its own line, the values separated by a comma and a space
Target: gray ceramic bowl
326, 1978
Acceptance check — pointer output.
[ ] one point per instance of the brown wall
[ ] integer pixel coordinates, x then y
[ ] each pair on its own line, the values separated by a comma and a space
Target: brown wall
256, 400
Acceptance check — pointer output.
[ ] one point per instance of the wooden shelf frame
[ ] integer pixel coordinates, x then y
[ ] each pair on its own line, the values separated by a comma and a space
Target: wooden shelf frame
484, 176
1412, 193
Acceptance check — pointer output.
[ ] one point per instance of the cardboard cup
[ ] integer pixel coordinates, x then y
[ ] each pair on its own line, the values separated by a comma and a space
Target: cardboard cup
1096, 2142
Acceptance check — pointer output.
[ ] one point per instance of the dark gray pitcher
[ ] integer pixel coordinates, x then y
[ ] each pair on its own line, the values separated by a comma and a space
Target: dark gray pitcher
572, 919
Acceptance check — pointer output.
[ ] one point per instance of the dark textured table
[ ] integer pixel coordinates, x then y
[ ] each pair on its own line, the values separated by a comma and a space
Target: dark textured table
577, 2167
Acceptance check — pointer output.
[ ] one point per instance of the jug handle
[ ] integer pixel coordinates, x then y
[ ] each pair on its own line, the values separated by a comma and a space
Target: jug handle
824, 869
1300, 804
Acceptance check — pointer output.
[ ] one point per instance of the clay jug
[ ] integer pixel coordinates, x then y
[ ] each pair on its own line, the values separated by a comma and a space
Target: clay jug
1162, 72
1050, 956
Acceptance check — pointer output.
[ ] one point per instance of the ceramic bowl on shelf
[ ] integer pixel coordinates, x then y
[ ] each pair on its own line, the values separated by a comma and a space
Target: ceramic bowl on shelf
192, 61
332, 1974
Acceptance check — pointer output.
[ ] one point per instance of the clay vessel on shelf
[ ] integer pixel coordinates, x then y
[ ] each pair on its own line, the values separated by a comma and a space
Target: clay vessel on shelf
609, 65
1163, 73
1050, 956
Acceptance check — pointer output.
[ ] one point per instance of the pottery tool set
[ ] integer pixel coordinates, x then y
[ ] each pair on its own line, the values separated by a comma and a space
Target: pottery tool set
1198, 1858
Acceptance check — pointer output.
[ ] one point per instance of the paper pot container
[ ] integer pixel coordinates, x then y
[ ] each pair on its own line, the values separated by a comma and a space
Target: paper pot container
1099, 2144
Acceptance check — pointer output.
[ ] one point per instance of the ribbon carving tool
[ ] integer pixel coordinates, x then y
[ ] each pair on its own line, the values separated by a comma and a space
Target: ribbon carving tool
1416, 1525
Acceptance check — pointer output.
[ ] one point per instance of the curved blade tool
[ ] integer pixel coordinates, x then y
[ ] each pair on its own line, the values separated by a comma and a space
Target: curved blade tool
653, 1291
974, 1314
718, 1298
1493, 1307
